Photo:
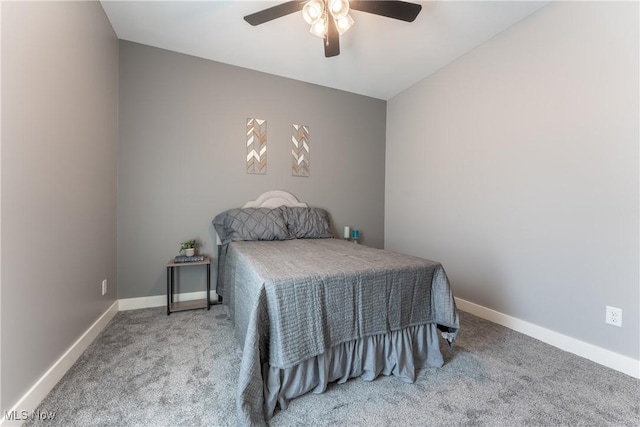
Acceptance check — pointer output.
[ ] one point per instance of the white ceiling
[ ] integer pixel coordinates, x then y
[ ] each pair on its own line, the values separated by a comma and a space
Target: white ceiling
380, 57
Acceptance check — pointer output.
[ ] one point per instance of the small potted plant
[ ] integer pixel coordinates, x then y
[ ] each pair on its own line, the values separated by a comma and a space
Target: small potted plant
189, 247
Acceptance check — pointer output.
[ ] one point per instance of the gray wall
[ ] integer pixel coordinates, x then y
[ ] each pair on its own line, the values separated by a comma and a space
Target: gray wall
59, 171
182, 156
517, 167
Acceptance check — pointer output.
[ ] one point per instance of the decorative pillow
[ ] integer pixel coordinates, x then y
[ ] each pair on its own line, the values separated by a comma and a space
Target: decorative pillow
307, 223
251, 224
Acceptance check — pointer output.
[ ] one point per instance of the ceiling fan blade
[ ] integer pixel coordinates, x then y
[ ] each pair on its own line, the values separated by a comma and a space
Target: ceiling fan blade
274, 12
332, 40
402, 10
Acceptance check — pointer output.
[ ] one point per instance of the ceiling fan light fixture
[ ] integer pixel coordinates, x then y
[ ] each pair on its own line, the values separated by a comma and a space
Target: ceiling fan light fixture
312, 11
318, 12
343, 24
319, 28
338, 8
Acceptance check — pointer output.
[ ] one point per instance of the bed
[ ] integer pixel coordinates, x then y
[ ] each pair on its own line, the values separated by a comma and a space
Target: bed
309, 310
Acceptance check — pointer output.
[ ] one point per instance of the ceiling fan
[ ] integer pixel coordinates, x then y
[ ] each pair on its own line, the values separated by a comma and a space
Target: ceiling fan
330, 18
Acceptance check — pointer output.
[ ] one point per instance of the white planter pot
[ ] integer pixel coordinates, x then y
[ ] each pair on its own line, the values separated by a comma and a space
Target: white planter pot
190, 252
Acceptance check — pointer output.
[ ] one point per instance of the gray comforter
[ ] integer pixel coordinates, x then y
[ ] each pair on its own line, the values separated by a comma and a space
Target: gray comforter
292, 300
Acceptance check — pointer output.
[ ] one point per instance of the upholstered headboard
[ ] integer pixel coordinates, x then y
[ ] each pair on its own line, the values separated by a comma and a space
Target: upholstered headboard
275, 198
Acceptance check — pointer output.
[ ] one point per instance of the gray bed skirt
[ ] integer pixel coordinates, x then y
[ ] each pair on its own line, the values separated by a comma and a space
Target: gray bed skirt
398, 353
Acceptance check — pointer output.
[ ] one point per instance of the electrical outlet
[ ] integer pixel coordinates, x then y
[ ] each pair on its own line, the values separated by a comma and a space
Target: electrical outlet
614, 316
104, 287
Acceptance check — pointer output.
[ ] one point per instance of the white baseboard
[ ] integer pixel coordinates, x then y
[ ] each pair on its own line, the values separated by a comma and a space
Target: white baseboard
36, 394
592, 352
161, 300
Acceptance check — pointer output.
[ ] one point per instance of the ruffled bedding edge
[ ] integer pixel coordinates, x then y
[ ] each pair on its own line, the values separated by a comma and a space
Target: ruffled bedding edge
398, 353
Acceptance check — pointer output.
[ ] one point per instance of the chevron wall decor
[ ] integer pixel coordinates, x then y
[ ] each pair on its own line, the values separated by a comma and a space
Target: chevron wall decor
300, 150
257, 146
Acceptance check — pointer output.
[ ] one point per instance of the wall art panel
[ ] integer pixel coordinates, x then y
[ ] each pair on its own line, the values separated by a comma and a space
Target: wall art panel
257, 146
301, 159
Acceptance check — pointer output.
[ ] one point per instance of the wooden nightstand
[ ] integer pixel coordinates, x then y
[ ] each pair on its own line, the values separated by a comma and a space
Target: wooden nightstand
187, 305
